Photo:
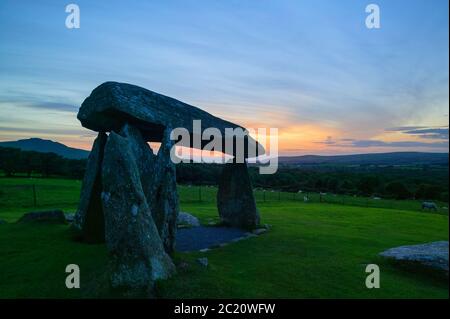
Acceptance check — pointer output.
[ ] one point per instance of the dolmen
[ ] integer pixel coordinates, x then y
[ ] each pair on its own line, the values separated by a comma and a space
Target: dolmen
129, 197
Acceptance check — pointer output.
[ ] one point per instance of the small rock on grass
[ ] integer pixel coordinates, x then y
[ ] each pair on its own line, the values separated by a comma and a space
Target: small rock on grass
52, 216
259, 231
186, 219
203, 261
183, 266
69, 217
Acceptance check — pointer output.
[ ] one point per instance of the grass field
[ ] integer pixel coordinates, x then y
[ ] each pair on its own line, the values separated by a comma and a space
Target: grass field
314, 250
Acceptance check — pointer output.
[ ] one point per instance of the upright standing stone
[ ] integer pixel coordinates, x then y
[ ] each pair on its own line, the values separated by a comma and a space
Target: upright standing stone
165, 205
158, 179
89, 216
235, 200
145, 159
137, 253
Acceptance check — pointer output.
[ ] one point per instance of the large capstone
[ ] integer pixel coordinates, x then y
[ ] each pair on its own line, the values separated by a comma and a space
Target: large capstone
113, 104
137, 254
89, 216
235, 200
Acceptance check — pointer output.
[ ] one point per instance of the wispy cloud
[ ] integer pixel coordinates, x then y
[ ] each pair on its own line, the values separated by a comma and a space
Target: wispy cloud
401, 144
430, 133
55, 131
371, 143
64, 107
39, 105
424, 132
404, 128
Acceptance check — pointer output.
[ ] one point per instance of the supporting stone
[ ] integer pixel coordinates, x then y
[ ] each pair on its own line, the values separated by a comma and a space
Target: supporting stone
165, 205
137, 254
145, 159
158, 179
89, 216
235, 200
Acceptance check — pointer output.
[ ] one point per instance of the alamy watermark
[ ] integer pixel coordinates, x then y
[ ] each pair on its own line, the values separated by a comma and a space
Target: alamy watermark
373, 277
373, 20
73, 279
237, 143
73, 19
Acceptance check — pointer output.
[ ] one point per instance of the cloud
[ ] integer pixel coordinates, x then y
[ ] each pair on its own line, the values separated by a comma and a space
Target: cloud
379, 143
355, 143
424, 132
47, 105
329, 141
64, 107
55, 131
430, 133
404, 128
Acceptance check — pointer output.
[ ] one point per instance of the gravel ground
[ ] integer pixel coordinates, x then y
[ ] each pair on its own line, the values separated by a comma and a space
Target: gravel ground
196, 238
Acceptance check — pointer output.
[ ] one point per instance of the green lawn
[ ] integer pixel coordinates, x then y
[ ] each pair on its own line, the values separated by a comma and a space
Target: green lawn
314, 250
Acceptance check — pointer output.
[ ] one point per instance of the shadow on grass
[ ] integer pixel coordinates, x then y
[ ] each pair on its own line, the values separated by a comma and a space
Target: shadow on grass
417, 271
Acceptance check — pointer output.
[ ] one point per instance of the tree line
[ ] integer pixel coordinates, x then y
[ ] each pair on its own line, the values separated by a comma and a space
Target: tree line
408, 182
14, 161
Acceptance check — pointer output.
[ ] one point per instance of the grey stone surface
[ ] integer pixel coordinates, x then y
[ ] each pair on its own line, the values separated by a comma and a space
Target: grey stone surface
164, 204
52, 216
187, 219
145, 159
158, 180
137, 254
235, 200
112, 104
433, 255
89, 216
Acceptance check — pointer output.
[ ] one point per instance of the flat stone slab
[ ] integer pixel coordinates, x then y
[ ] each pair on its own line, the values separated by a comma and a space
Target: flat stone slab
433, 255
112, 104
51, 216
201, 238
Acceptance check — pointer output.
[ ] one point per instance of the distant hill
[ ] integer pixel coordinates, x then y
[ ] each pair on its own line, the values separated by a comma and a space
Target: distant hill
396, 158
47, 146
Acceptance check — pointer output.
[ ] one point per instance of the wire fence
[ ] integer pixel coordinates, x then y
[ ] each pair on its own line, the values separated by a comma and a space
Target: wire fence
67, 194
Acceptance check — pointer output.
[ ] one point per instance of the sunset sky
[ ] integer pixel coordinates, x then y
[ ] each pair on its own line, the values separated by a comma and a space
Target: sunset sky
309, 68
